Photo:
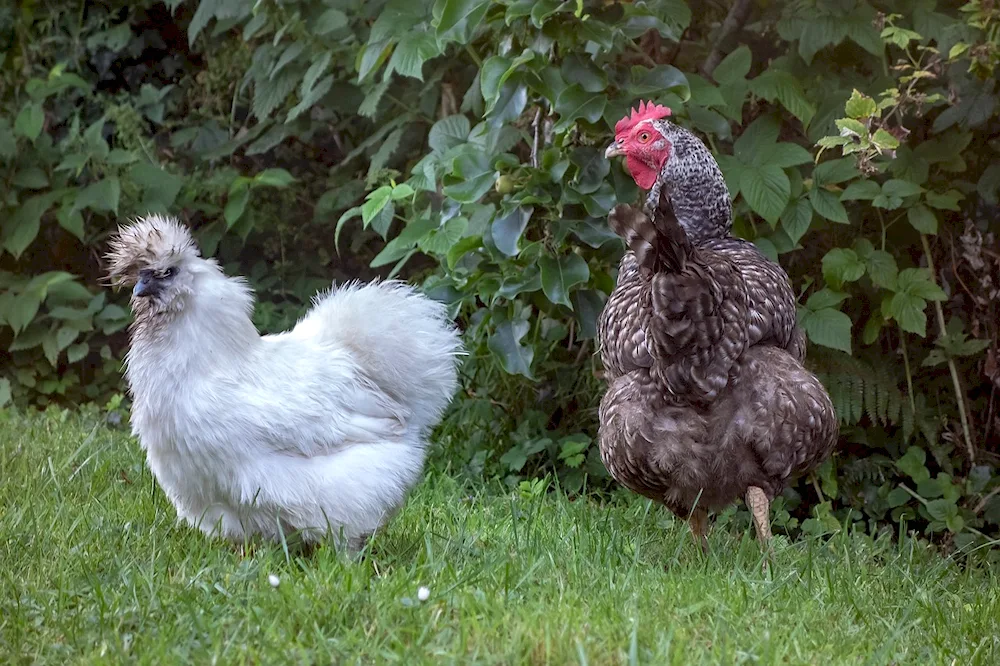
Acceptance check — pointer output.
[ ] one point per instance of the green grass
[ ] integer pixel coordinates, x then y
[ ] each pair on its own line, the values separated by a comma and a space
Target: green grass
95, 569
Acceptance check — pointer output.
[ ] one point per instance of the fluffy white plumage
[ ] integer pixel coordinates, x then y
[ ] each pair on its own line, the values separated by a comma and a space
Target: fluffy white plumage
322, 427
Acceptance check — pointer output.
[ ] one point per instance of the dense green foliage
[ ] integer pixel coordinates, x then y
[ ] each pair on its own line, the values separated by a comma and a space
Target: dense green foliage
459, 143
96, 570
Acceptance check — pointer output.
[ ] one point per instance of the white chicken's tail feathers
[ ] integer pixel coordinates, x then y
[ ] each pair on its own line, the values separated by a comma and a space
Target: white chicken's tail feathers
403, 341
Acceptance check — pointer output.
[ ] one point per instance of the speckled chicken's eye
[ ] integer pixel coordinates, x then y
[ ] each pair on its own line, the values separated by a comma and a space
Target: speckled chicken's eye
644, 137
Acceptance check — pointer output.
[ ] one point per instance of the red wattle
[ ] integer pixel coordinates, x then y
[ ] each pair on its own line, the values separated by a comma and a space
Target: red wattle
643, 176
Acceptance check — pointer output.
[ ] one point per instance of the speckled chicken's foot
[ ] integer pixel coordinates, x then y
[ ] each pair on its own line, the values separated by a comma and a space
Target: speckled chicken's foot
760, 508
698, 520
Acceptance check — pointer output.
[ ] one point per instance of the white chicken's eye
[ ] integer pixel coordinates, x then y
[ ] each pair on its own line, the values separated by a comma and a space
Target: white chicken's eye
170, 272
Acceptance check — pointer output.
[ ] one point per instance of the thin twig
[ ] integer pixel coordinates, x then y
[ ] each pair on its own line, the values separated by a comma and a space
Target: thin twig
982, 503
737, 16
535, 124
951, 362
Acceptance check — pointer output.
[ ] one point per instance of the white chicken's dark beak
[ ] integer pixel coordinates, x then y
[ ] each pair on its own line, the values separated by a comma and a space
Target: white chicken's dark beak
614, 150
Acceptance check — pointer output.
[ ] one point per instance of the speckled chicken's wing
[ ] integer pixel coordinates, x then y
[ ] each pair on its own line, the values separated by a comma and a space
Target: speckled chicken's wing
678, 312
772, 301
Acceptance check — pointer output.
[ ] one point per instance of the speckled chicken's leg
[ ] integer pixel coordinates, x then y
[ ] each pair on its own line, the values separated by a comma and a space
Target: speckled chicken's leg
698, 520
760, 508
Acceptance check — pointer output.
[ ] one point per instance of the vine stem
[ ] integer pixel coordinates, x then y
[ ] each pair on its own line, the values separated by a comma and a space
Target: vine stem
942, 331
906, 365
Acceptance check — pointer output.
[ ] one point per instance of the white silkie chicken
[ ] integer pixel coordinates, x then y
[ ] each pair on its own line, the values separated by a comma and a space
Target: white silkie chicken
320, 430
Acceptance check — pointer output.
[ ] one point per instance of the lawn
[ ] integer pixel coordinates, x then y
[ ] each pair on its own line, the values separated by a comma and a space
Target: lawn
96, 570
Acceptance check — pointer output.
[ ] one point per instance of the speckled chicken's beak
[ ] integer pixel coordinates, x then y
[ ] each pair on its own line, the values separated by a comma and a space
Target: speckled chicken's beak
614, 150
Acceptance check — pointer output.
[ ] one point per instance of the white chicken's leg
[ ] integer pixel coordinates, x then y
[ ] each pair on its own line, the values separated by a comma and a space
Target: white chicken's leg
760, 508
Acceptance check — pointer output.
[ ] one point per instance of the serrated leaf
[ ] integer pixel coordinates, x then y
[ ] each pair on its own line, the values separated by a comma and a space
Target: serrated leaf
100, 196
31, 178
835, 171
830, 328
328, 21
776, 85
274, 177
22, 227
235, 205
860, 106
944, 201
842, 265
826, 298
448, 133
505, 343
560, 274
828, 205
861, 190
908, 311
767, 190
851, 127
452, 14
918, 282
882, 269
414, 49
30, 120
783, 155
912, 462
735, 66
796, 219
77, 352
897, 187
374, 203
758, 135
884, 140
922, 219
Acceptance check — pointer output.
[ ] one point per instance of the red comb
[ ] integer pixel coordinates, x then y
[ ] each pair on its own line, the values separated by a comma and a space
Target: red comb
646, 111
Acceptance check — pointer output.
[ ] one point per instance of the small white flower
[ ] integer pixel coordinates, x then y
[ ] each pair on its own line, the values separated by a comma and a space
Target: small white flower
423, 593
273, 580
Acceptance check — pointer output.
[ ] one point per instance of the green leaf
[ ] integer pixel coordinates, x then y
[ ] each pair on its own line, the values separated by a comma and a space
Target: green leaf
882, 269
414, 49
861, 190
826, 298
830, 328
828, 205
448, 133
659, 80
30, 120
70, 220
842, 265
944, 201
884, 140
559, 274
860, 106
477, 177
77, 352
783, 155
757, 137
574, 102
31, 178
328, 21
439, 241
777, 85
374, 203
458, 14
4, 391
735, 66
918, 282
897, 497
900, 188
912, 464
851, 127
835, 171
235, 205
22, 310
507, 230
583, 71
100, 196
908, 311
767, 190
796, 219
505, 343
22, 227
922, 219
274, 177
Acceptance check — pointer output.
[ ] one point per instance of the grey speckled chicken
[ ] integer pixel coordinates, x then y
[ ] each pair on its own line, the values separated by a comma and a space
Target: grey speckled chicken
707, 399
